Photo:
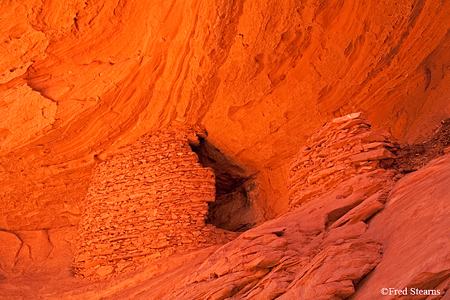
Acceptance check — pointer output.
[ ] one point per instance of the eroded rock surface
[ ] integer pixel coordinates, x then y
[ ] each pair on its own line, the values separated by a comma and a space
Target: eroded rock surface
10, 247
414, 230
334, 246
36, 254
296, 255
338, 151
313, 252
262, 76
81, 79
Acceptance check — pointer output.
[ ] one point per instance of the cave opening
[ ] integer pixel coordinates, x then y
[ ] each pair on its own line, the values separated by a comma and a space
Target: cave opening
233, 208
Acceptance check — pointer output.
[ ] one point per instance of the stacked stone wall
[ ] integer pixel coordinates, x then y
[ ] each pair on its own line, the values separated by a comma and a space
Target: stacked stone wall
341, 149
147, 201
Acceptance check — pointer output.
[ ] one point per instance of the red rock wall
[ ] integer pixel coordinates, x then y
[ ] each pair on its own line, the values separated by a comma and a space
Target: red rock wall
147, 201
80, 78
341, 149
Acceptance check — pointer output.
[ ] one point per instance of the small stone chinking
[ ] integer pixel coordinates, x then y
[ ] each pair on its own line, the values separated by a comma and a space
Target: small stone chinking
341, 149
147, 201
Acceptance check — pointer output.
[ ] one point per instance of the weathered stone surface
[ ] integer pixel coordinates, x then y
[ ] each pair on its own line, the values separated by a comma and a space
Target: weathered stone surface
311, 252
414, 230
10, 245
81, 79
260, 75
320, 250
338, 151
147, 201
372, 155
332, 273
46, 252
24, 116
238, 210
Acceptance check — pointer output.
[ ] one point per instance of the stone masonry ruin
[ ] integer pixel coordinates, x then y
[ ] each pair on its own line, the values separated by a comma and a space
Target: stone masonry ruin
148, 201
341, 149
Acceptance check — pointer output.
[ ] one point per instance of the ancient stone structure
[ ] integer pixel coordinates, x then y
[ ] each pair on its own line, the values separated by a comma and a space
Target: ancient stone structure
341, 149
261, 76
145, 202
79, 78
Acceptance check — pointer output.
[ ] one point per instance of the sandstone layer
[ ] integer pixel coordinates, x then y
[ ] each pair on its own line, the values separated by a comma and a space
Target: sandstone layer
83, 78
336, 245
80, 80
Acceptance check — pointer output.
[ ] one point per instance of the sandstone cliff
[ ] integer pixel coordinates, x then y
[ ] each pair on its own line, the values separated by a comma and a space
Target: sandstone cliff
80, 80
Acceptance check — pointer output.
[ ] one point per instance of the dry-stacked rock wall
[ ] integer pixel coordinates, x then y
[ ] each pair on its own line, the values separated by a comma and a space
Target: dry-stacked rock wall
145, 202
341, 149
79, 78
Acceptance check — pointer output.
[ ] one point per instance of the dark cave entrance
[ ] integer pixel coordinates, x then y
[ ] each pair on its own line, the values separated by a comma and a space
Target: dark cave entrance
233, 209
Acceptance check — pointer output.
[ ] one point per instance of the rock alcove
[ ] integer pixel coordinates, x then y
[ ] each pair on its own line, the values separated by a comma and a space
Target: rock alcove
235, 208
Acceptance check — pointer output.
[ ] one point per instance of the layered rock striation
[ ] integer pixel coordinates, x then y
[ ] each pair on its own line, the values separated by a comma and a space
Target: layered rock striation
147, 201
341, 149
80, 78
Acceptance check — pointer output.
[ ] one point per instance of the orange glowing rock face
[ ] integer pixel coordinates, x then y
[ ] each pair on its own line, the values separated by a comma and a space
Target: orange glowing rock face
84, 78
81, 80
